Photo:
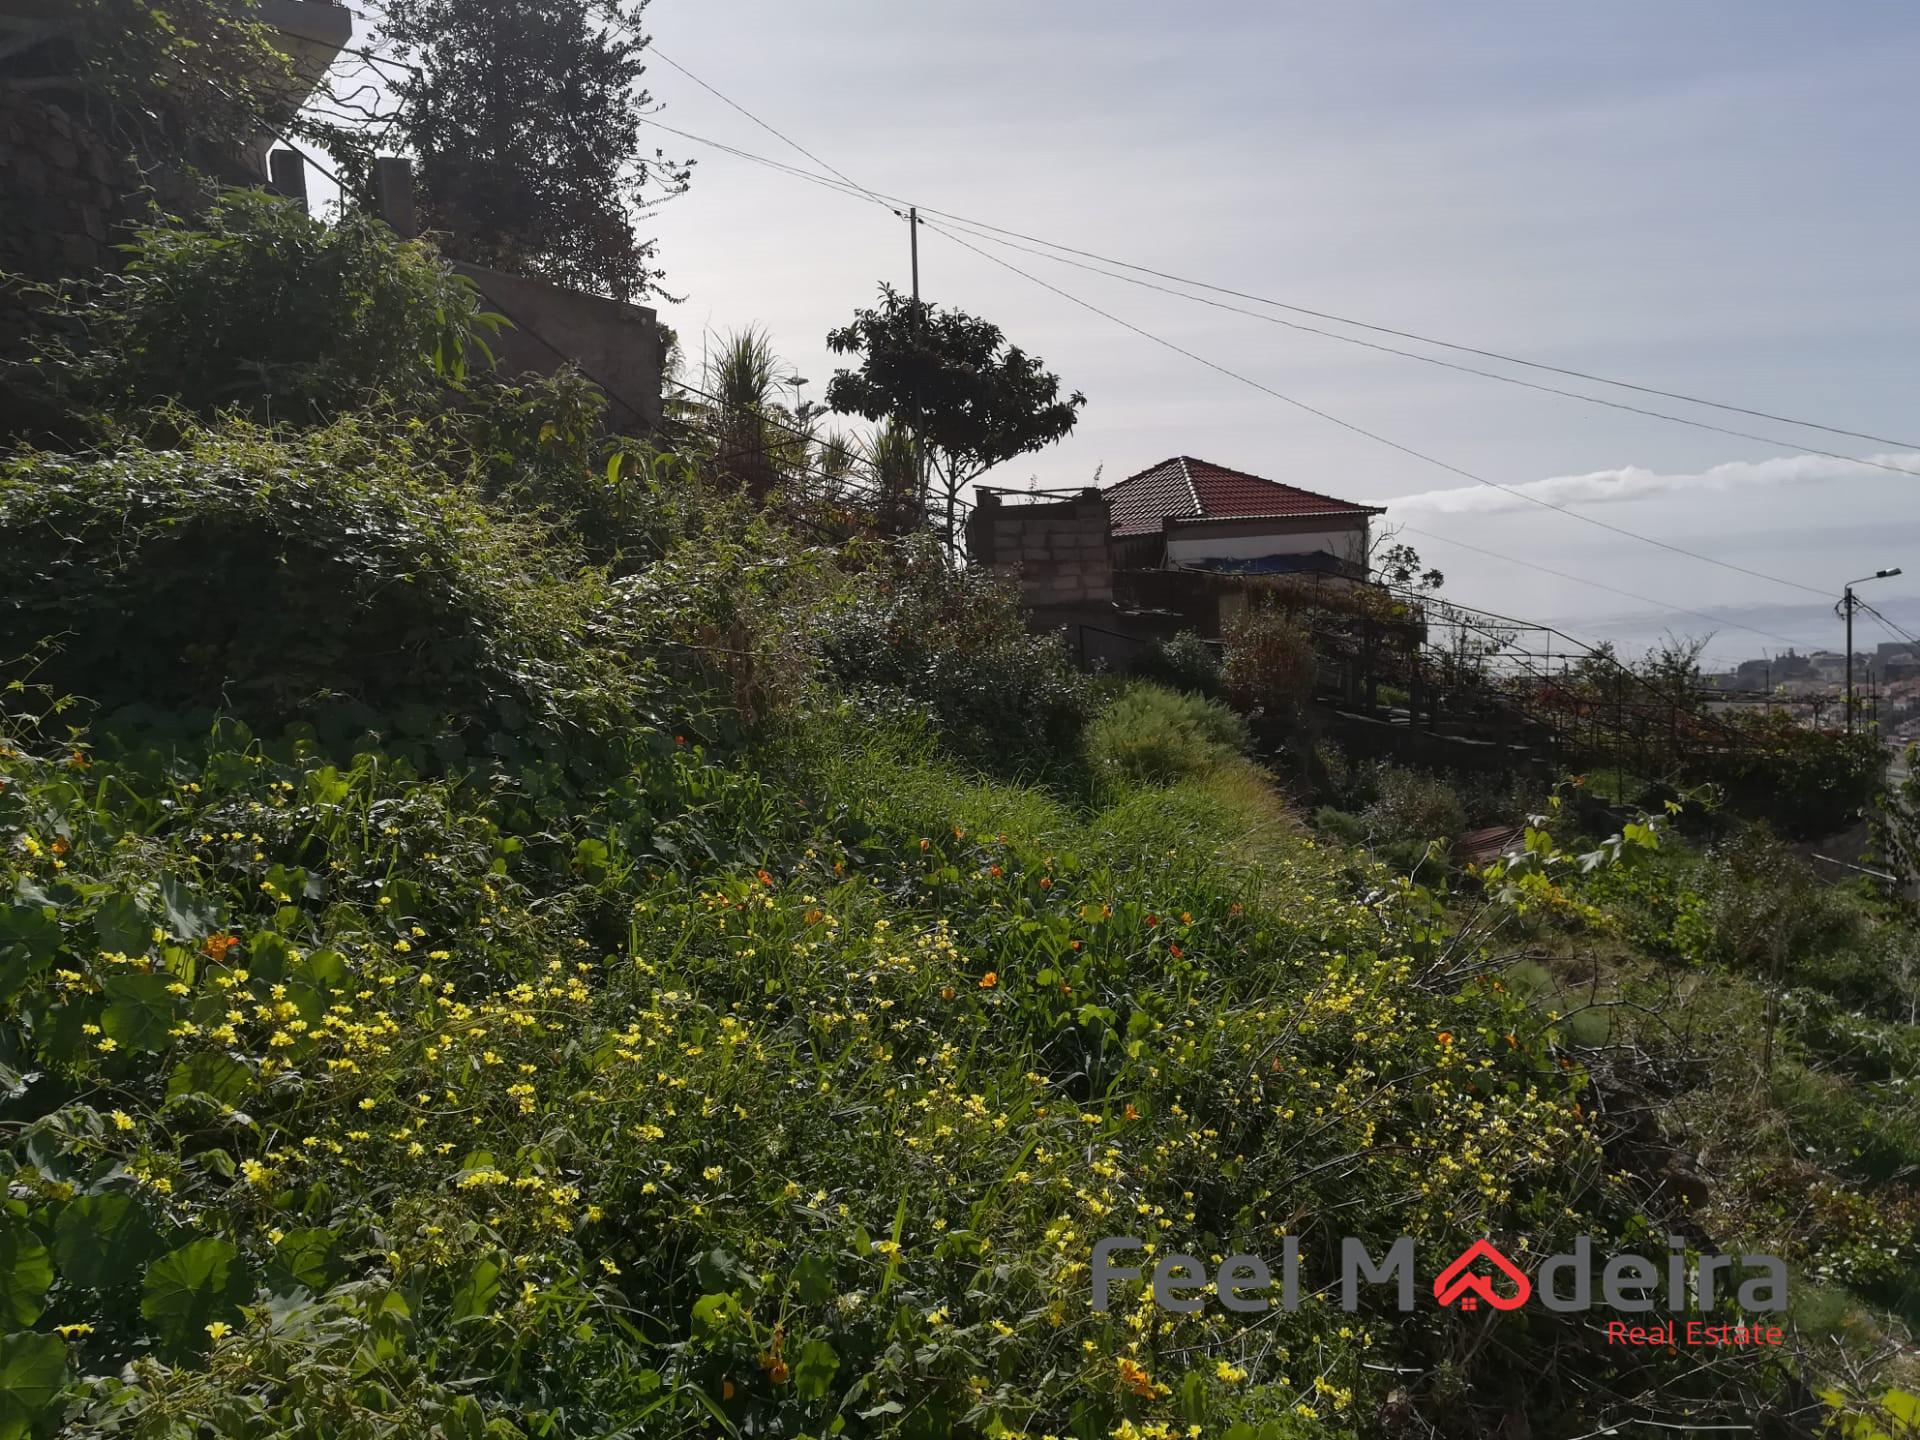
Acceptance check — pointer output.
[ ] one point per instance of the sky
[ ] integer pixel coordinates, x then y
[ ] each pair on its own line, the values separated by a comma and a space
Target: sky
1712, 198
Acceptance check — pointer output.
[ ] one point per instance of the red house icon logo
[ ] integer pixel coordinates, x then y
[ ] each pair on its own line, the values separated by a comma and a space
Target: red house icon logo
1459, 1284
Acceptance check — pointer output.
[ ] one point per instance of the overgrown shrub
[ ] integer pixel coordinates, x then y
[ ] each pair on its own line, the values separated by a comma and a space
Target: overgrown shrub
1185, 662
1763, 903
1411, 806
1270, 663
311, 578
1155, 736
259, 308
1807, 783
955, 645
538, 446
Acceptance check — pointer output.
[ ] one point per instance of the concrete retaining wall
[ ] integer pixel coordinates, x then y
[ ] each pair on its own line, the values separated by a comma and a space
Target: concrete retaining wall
1057, 551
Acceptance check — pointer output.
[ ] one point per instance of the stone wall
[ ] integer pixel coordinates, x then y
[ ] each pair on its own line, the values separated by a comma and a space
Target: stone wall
62, 192
1057, 551
618, 346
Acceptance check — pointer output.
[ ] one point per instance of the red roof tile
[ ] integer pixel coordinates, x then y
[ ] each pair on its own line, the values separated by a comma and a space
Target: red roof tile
1184, 488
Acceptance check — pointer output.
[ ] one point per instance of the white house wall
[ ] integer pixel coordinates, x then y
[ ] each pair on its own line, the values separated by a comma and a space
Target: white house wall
1348, 543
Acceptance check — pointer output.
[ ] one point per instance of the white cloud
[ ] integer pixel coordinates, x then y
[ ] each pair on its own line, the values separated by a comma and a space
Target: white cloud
1634, 482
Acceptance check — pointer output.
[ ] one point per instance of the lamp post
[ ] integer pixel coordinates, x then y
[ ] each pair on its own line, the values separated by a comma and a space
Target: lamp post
1847, 606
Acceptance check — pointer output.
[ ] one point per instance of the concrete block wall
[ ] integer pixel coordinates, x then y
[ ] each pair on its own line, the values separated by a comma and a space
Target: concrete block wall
62, 192
1058, 551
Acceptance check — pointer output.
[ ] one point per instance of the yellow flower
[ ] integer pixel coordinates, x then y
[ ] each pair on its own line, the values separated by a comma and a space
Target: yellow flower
219, 1329
72, 1332
121, 1120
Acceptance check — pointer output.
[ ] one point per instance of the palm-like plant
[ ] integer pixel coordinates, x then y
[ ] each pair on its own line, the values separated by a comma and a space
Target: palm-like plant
900, 502
742, 378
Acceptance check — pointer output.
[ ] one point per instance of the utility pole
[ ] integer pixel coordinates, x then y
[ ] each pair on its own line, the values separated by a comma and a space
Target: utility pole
1847, 606
913, 239
919, 445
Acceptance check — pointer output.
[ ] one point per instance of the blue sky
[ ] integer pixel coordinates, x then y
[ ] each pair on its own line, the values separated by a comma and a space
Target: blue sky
1712, 198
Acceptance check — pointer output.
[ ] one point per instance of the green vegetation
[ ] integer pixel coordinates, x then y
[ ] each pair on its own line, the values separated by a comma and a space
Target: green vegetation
258, 308
1151, 736
501, 936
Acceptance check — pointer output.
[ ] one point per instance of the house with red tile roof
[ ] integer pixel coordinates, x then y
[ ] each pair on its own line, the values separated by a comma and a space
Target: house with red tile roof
1188, 514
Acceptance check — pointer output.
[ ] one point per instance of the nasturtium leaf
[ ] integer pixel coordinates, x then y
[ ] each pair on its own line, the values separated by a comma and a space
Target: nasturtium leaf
122, 926
33, 1370
325, 970
26, 1272
191, 1288
476, 1290
716, 1269
189, 914
304, 1257
210, 1073
813, 1369
813, 1279
101, 1241
714, 1313
141, 1012
29, 939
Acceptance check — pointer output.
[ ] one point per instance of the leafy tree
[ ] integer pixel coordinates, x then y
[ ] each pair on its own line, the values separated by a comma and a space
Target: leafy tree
973, 400
260, 308
1397, 563
177, 75
525, 117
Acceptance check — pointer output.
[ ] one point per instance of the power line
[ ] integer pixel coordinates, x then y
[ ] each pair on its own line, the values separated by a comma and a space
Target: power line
778, 135
1372, 435
891, 202
1380, 439
1599, 585
1447, 364
962, 221
1891, 627
1053, 246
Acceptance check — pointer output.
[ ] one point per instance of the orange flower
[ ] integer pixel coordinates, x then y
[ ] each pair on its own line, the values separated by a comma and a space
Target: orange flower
1152, 920
215, 947
1135, 1379
990, 979
994, 870
1046, 882
765, 878
1177, 951
1130, 1113
679, 739
1073, 944
726, 1389
777, 1372
1445, 1037
946, 992
925, 844
60, 846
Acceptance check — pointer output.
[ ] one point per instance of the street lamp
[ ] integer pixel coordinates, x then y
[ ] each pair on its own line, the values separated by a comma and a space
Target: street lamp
1847, 606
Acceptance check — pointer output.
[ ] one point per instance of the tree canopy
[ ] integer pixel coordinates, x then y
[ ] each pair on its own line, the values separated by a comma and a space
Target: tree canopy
973, 400
525, 118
